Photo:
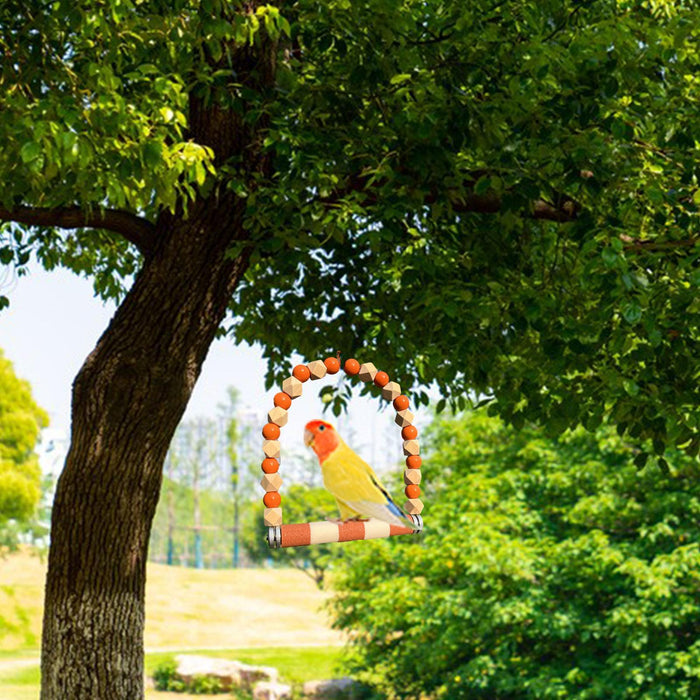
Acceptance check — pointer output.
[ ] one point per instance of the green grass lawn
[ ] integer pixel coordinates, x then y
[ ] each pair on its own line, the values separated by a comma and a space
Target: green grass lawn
20, 684
295, 664
271, 617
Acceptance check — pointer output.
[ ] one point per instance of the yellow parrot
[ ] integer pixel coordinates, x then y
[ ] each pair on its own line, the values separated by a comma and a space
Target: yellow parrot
356, 488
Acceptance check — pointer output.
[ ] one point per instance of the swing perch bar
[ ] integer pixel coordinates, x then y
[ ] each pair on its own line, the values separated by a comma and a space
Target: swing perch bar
301, 534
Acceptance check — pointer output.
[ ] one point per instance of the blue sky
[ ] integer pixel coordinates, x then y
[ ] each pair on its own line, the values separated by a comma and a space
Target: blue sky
54, 321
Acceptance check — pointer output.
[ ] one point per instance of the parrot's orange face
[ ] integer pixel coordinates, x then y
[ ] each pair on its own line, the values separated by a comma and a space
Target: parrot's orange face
321, 437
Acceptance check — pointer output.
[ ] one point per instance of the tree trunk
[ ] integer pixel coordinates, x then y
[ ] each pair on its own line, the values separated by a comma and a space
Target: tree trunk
127, 401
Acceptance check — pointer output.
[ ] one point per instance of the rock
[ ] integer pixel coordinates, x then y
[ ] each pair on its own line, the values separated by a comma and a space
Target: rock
250, 675
332, 689
226, 672
230, 674
267, 690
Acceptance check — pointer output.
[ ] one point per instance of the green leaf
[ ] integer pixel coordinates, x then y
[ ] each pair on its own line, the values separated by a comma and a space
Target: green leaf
153, 153
30, 151
631, 387
483, 185
632, 313
200, 172
641, 459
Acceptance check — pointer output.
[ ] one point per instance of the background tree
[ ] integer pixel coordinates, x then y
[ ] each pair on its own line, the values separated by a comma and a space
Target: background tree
195, 520
20, 477
551, 568
302, 504
500, 198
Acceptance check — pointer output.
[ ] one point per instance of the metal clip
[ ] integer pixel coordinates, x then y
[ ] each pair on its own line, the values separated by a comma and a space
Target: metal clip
274, 537
418, 522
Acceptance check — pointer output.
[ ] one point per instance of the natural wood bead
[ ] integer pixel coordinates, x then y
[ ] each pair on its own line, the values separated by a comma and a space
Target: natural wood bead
272, 517
391, 391
271, 448
412, 476
413, 506
404, 418
278, 416
367, 372
271, 482
411, 447
292, 386
317, 369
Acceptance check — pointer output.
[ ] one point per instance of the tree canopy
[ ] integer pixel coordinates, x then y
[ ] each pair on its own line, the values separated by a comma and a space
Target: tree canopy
550, 568
501, 199
20, 422
496, 198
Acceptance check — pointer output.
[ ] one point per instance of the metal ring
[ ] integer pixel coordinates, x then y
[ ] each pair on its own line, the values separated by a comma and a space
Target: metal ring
274, 537
418, 522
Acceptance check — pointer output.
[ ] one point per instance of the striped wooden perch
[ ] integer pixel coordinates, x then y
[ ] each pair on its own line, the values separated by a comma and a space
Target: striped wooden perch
304, 534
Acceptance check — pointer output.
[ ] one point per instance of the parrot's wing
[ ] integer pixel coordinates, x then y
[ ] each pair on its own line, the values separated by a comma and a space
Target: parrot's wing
387, 511
357, 489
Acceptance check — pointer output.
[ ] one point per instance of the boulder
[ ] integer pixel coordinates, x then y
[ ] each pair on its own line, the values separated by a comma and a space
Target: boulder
267, 690
332, 689
226, 672
230, 674
250, 675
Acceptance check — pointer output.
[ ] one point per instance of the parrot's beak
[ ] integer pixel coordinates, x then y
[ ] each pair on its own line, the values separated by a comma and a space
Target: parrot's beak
308, 438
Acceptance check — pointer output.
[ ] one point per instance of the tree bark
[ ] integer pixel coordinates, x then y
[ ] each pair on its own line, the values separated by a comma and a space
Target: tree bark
129, 397
127, 401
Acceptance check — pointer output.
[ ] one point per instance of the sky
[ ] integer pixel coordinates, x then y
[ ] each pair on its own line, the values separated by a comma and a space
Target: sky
54, 320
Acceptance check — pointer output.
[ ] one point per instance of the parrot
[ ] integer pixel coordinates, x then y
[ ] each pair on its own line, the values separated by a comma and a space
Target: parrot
356, 488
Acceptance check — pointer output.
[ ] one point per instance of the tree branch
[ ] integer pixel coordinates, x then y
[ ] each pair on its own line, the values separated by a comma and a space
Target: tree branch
133, 228
564, 210
637, 245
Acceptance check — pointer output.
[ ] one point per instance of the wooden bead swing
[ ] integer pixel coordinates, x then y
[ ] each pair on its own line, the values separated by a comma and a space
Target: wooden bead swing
301, 534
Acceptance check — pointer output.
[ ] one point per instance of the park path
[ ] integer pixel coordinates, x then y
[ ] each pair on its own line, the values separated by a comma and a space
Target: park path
17, 663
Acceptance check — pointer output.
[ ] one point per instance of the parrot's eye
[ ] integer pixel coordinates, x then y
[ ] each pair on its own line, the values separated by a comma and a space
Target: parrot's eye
321, 427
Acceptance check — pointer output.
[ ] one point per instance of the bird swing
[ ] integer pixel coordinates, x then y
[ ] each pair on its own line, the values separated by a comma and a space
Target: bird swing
391, 520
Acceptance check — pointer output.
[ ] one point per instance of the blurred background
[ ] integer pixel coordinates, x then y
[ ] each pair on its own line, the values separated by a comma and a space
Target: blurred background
550, 565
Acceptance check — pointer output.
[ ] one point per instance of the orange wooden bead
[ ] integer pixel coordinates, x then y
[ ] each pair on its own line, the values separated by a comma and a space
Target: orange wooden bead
332, 364
271, 431
412, 491
301, 372
381, 378
401, 403
282, 400
414, 462
270, 465
410, 432
272, 499
352, 366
